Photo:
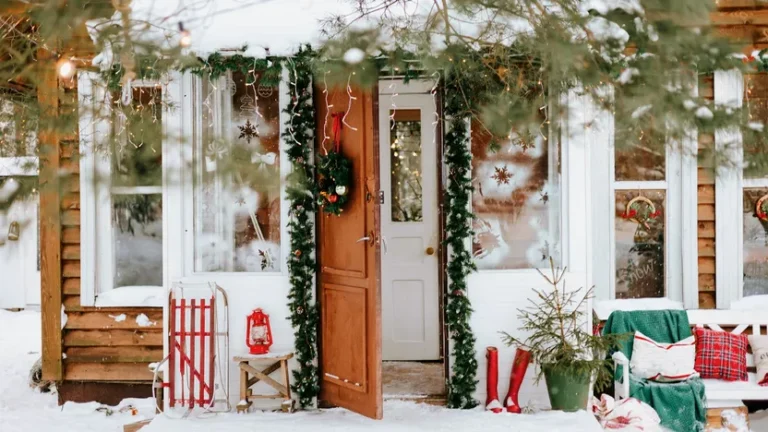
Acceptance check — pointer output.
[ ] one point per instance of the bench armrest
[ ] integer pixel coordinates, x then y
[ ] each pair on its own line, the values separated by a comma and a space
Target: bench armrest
621, 388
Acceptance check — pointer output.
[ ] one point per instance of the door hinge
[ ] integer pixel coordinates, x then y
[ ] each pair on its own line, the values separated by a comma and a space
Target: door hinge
381, 197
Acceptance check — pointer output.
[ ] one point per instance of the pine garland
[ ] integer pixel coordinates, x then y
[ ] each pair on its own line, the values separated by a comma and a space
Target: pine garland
299, 138
462, 382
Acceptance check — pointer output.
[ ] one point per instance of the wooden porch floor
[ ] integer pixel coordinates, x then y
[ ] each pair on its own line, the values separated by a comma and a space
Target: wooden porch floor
413, 379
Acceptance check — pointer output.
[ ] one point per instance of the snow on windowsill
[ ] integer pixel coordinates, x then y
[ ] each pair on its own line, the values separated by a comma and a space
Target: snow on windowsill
751, 303
604, 308
132, 296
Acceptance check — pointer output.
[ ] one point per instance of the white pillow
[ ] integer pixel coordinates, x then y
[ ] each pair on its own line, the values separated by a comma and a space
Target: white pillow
664, 362
759, 346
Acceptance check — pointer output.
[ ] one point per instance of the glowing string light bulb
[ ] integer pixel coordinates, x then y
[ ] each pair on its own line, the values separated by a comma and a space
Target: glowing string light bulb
185, 36
66, 68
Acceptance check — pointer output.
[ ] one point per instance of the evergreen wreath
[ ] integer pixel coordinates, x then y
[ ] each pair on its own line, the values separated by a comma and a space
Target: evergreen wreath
334, 172
299, 138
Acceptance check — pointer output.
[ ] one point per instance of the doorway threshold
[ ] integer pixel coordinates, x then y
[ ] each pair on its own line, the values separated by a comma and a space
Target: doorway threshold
413, 380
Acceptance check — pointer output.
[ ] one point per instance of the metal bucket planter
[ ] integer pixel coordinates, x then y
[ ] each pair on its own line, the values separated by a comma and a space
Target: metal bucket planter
568, 391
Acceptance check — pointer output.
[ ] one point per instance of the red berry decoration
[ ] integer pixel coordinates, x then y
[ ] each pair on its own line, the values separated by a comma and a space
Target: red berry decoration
333, 198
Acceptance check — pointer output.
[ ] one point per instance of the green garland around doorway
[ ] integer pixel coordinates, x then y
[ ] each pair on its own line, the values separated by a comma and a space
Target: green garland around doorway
458, 159
299, 138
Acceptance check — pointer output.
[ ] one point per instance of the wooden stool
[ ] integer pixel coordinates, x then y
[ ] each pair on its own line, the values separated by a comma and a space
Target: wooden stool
249, 376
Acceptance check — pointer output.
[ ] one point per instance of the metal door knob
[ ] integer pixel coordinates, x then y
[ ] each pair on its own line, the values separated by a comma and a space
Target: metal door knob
430, 251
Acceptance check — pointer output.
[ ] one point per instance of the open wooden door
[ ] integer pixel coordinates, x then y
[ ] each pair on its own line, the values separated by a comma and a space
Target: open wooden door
349, 263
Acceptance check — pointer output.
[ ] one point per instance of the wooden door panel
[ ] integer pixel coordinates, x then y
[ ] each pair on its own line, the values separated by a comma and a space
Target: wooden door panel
349, 277
344, 336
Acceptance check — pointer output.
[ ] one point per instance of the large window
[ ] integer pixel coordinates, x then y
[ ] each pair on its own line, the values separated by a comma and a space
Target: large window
755, 197
515, 200
121, 188
237, 176
136, 190
637, 211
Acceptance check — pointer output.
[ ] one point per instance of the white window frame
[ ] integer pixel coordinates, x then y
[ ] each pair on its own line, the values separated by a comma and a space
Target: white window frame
681, 279
97, 261
729, 194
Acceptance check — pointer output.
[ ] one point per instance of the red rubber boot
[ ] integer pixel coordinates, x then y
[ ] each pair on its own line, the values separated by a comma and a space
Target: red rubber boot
492, 384
519, 366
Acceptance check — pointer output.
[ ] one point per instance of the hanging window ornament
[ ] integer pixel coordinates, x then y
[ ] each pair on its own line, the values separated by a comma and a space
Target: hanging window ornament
127, 94
640, 210
334, 172
761, 208
248, 131
264, 91
231, 86
263, 160
247, 105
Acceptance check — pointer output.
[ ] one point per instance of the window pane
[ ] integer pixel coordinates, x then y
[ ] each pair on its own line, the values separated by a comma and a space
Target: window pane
640, 246
137, 159
405, 159
638, 162
755, 242
515, 200
18, 129
137, 227
237, 182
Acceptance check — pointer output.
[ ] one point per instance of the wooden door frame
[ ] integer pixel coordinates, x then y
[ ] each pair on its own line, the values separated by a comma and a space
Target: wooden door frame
442, 250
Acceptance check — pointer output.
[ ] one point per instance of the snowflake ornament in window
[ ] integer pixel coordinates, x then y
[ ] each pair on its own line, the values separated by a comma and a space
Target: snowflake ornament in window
248, 131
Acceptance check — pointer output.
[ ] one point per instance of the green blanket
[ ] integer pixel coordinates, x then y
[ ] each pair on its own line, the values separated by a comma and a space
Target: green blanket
681, 406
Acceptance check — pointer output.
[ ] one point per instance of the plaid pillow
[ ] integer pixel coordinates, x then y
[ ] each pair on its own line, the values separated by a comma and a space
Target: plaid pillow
721, 355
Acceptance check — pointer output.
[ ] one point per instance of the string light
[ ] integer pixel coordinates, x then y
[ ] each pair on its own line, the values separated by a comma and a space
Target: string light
66, 68
349, 107
185, 37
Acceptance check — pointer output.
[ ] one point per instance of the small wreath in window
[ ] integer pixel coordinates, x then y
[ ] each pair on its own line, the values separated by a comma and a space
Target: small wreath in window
640, 209
334, 174
761, 208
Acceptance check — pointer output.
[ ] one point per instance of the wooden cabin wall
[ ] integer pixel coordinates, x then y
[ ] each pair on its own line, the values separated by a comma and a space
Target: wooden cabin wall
706, 211
101, 358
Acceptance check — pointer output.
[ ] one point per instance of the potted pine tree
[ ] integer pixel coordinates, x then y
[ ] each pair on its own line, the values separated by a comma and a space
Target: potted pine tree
568, 355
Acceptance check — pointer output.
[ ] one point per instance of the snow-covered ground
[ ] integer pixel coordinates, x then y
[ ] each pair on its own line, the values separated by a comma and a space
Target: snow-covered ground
23, 409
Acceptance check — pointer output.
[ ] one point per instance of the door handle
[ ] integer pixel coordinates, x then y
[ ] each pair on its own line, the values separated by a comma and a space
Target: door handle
384, 244
430, 251
366, 238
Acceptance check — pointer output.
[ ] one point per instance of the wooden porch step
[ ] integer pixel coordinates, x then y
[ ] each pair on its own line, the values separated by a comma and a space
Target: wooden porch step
436, 400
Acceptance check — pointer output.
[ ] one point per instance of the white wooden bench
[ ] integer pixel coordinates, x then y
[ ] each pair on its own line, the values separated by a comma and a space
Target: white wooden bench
720, 394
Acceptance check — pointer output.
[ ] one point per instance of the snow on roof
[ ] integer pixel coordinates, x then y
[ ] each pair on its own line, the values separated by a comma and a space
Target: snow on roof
279, 25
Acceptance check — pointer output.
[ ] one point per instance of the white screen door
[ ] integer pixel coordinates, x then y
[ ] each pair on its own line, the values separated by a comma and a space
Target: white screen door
409, 227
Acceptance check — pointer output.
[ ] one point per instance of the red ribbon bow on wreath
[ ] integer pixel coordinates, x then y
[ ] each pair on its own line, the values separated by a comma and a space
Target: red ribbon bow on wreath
337, 123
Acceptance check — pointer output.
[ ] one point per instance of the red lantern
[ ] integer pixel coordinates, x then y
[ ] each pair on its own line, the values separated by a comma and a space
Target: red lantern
258, 335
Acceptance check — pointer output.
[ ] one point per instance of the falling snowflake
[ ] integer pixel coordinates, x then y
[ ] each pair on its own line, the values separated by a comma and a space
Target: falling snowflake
501, 175
248, 131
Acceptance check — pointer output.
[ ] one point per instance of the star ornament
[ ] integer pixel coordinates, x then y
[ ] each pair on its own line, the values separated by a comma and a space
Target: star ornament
248, 131
501, 175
